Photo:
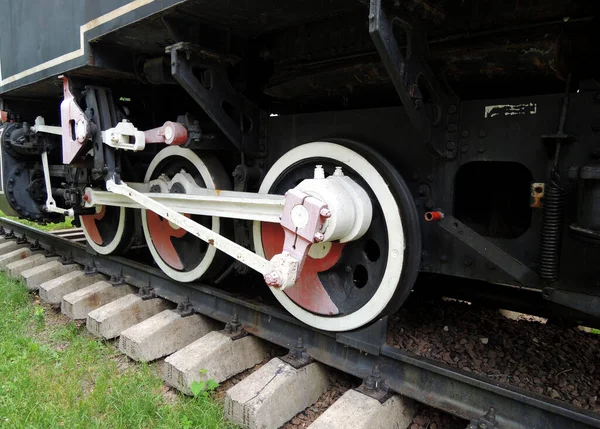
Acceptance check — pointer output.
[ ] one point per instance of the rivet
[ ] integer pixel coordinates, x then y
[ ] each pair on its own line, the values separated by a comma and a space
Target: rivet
444, 258
450, 145
464, 148
452, 109
464, 134
451, 127
481, 149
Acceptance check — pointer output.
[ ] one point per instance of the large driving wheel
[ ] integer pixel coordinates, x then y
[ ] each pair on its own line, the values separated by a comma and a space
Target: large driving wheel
110, 230
344, 286
181, 255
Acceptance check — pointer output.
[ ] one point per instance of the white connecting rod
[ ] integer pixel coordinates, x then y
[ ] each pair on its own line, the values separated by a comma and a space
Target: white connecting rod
207, 202
229, 247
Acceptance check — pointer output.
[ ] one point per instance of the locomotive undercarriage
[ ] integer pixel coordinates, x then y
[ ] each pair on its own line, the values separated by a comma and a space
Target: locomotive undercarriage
337, 207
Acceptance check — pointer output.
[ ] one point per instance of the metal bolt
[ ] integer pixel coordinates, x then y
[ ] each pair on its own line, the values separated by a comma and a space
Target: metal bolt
429, 204
444, 258
273, 279
325, 212
464, 148
319, 172
482, 134
423, 190
464, 134
431, 177
452, 109
338, 172
416, 176
450, 145
452, 127
319, 236
481, 149
468, 261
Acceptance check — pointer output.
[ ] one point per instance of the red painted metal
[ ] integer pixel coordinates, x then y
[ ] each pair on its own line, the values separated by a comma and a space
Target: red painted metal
161, 232
434, 216
89, 222
3, 116
171, 133
308, 292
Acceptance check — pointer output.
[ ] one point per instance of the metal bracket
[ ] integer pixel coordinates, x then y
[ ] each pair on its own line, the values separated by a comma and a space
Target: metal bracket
242, 122
511, 266
76, 128
68, 259
297, 357
10, 235
486, 422
90, 269
368, 339
374, 386
147, 292
118, 280
413, 78
235, 329
22, 239
2, 231
50, 252
35, 245
185, 308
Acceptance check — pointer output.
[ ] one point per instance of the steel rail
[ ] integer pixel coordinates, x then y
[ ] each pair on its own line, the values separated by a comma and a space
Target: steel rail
457, 392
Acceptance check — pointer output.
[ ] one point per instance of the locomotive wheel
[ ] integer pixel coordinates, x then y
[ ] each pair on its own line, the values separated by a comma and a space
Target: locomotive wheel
344, 286
110, 230
182, 256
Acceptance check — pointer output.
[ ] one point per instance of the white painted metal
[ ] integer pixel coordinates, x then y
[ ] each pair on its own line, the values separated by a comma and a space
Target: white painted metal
349, 205
112, 246
41, 127
120, 136
213, 177
50, 202
216, 240
393, 220
199, 201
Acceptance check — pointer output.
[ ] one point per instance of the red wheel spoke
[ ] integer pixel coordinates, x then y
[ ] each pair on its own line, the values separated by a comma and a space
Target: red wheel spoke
89, 222
308, 292
162, 232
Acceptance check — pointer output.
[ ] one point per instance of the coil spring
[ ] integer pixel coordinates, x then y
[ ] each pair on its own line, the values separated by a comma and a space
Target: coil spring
551, 232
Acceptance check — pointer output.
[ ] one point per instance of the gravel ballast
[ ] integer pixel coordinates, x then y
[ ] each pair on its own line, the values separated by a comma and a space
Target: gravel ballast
550, 360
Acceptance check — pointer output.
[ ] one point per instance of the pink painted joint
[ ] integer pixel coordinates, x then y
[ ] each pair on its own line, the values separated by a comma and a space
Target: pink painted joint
75, 125
302, 221
171, 133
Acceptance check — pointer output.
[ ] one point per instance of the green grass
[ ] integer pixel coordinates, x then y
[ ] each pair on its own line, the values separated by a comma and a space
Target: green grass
47, 227
53, 374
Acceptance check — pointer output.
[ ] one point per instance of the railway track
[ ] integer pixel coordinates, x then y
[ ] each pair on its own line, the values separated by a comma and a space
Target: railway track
365, 354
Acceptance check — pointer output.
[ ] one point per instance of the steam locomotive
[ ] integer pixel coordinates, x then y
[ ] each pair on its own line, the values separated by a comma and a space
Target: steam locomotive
334, 149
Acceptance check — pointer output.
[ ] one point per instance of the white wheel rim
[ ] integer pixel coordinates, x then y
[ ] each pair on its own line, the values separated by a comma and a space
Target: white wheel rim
112, 246
391, 212
209, 180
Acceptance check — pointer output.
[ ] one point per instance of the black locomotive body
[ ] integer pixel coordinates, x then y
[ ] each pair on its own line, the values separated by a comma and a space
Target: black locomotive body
481, 120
